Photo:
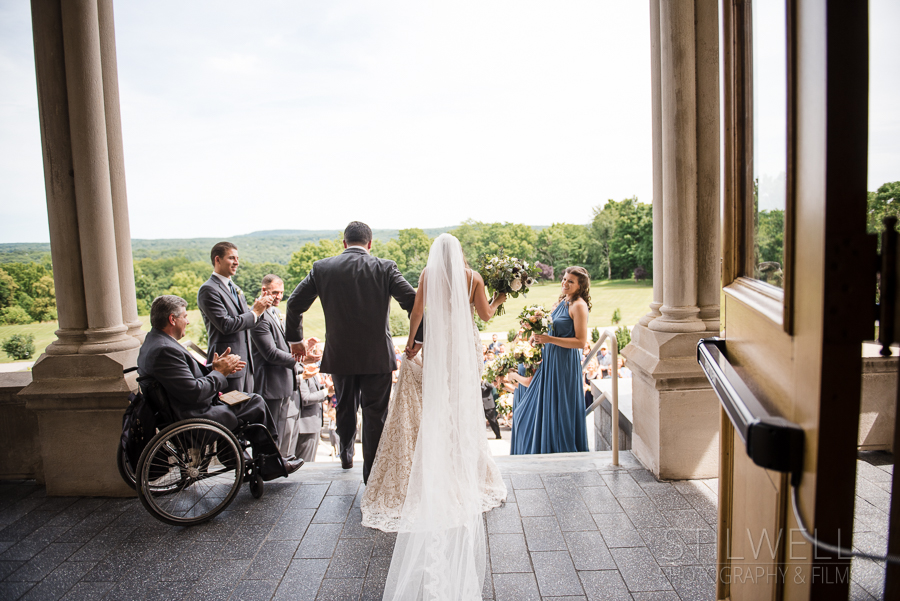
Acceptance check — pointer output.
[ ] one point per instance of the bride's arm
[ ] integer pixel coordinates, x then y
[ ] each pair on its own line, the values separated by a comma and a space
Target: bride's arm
484, 309
415, 316
579, 313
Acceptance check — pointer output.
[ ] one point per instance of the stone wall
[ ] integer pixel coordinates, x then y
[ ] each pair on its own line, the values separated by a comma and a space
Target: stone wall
20, 453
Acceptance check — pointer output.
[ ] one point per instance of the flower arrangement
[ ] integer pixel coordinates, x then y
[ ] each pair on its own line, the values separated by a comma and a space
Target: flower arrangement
499, 367
504, 405
507, 275
530, 355
535, 320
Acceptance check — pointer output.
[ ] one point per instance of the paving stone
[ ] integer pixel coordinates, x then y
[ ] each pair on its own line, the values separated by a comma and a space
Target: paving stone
350, 559
191, 564
589, 478
246, 541
617, 530
534, 502
693, 582
219, 581
509, 554
43, 563
643, 513
353, 527
58, 582
333, 510
668, 548
555, 574
623, 485
510, 492
588, 551
516, 587
253, 590
857, 593
25, 525
87, 591
657, 596
543, 534
604, 585
344, 488
319, 541
526, 481
384, 543
33, 544
272, 561
692, 527
292, 525
600, 499
168, 591
868, 574
14, 590
8, 567
302, 579
504, 519
639, 570
340, 589
668, 498
309, 496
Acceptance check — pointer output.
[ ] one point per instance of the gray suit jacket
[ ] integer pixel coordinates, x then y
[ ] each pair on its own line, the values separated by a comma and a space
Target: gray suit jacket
193, 389
275, 376
311, 396
356, 290
228, 322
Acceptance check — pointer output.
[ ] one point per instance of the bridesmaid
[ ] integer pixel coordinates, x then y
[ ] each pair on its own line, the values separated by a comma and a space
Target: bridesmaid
549, 415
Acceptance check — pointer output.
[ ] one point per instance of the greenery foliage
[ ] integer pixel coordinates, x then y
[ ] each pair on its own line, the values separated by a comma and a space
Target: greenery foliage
623, 337
19, 346
511, 335
399, 324
616, 317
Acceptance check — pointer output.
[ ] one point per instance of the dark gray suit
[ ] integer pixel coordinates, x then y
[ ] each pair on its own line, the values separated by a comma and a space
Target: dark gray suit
193, 389
275, 378
309, 423
356, 290
228, 324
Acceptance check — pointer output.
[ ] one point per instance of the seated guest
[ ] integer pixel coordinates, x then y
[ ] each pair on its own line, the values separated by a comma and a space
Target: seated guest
605, 361
193, 389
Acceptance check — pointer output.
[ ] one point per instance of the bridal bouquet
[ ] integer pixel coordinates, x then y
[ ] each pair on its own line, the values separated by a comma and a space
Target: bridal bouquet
504, 407
505, 274
529, 355
499, 367
535, 320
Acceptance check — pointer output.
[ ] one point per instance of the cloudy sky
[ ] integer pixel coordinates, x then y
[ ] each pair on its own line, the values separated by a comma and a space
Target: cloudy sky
304, 115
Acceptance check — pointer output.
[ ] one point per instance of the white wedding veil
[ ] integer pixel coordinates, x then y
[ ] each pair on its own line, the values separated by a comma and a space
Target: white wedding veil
440, 548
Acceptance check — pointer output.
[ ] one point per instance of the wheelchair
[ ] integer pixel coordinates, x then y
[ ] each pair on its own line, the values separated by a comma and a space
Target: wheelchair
188, 471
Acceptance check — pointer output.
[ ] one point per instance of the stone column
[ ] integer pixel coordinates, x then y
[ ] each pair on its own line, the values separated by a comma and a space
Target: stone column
78, 391
117, 170
676, 416
658, 200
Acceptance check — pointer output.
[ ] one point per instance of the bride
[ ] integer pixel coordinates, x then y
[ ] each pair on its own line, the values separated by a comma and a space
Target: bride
433, 475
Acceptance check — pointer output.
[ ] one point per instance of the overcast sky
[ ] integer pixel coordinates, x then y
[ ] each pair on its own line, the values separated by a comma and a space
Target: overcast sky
244, 116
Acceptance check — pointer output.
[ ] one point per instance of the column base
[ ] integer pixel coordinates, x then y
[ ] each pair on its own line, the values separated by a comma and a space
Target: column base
79, 401
135, 331
676, 412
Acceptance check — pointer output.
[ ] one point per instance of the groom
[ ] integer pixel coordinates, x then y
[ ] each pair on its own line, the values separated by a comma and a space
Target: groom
356, 290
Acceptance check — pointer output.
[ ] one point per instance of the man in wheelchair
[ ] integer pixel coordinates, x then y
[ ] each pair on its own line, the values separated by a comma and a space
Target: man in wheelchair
193, 389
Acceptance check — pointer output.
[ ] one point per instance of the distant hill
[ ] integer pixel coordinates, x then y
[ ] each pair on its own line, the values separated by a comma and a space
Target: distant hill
273, 246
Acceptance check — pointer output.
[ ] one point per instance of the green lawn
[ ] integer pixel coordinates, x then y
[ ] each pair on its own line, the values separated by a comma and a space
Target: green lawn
632, 298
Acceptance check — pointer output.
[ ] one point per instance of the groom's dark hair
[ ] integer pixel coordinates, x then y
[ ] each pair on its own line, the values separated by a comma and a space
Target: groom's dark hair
357, 232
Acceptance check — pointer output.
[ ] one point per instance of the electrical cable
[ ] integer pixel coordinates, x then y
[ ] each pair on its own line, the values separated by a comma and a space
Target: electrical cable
840, 551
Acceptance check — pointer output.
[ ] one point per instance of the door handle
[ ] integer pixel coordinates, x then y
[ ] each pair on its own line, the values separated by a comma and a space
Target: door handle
771, 441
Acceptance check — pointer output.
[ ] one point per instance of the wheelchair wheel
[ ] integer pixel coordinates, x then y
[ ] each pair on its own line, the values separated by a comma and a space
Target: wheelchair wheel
256, 486
190, 472
125, 469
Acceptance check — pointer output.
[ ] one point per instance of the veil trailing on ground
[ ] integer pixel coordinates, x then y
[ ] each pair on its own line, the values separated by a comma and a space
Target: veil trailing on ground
440, 549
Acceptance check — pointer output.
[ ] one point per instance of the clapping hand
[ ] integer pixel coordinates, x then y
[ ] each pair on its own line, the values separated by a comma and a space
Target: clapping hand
298, 350
226, 363
263, 302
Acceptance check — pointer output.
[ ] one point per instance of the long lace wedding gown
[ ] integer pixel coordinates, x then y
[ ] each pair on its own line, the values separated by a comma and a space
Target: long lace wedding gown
433, 476
382, 502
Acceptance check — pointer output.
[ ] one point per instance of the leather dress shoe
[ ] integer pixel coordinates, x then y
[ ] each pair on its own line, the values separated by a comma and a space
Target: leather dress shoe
292, 465
346, 463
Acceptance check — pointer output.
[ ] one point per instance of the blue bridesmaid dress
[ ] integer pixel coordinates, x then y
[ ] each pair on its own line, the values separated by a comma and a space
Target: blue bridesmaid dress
517, 394
549, 414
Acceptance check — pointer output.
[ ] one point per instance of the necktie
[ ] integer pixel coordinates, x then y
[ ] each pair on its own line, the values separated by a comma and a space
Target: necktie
234, 293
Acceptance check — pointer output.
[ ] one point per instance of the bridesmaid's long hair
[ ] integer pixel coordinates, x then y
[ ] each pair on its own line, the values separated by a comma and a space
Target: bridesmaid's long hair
584, 284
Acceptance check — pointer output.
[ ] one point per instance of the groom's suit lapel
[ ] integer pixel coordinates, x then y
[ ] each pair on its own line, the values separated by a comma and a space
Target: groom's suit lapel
224, 288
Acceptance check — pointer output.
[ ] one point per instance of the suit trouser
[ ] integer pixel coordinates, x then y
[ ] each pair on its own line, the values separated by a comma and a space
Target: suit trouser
255, 411
279, 409
372, 392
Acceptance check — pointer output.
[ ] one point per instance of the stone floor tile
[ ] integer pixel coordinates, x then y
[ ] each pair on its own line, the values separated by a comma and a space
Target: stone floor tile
600, 499
504, 519
340, 589
87, 591
588, 551
691, 526
509, 554
319, 541
516, 587
33, 544
292, 524
43, 563
351, 558
668, 499
487, 588
643, 513
219, 580
618, 532
191, 564
302, 579
589, 478
604, 585
272, 561
343, 488
639, 570
510, 491
857, 593
534, 502
168, 591
309, 496
657, 596
58, 582
623, 485
246, 541
25, 525
869, 575
693, 582
543, 534
8, 567
555, 574
526, 481
100, 545
255, 590
384, 543
668, 548
14, 590
353, 527
333, 510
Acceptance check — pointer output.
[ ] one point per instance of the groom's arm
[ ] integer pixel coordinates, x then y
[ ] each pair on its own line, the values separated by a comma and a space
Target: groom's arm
405, 295
300, 301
